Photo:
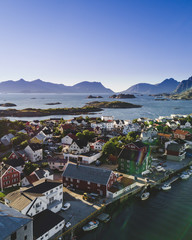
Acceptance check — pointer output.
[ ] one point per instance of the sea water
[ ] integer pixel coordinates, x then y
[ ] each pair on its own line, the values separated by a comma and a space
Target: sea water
150, 108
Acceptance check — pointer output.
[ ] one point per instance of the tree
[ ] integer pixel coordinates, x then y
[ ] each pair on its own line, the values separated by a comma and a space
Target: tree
24, 144
29, 168
109, 148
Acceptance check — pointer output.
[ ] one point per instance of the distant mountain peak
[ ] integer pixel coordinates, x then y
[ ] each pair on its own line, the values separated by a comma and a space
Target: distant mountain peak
39, 86
166, 86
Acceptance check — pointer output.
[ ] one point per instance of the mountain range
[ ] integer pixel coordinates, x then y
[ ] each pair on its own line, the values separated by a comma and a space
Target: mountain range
39, 86
167, 86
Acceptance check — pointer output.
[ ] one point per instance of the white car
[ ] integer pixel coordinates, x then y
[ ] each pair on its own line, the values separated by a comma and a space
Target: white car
68, 224
159, 169
66, 206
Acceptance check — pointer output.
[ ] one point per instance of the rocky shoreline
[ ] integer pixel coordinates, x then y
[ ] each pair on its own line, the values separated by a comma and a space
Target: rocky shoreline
33, 112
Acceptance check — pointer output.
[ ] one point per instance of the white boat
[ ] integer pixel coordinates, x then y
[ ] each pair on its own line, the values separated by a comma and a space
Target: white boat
91, 225
145, 195
166, 186
184, 176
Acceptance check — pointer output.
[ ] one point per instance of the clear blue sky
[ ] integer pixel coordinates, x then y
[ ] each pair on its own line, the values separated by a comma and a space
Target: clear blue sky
117, 42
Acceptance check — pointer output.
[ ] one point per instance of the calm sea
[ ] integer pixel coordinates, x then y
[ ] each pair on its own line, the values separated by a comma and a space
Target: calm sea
151, 108
164, 216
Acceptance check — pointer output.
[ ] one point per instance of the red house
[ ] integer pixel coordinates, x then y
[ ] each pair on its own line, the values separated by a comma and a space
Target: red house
18, 154
137, 146
181, 134
9, 176
89, 179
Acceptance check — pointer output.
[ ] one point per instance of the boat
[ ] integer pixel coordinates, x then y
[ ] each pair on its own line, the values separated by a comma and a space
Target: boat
184, 176
166, 186
91, 225
145, 195
104, 217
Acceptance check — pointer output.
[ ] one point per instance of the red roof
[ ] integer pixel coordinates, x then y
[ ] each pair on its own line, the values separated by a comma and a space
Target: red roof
181, 132
32, 178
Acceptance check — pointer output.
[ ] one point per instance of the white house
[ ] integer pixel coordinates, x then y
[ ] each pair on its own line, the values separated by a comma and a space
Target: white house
85, 158
45, 195
98, 145
186, 125
134, 127
34, 152
148, 135
57, 163
79, 147
107, 118
36, 175
119, 123
68, 139
173, 125
46, 224
41, 202
6, 139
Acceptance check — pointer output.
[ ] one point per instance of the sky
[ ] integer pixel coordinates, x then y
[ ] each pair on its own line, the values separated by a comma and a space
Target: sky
117, 42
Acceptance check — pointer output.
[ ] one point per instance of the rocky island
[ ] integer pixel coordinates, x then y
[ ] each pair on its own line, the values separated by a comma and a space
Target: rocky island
186, 95
91, 96
114, 104
56, 103
121, 96
7, 105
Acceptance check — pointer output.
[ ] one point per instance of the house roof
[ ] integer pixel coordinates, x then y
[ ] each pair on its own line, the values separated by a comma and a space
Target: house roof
71, 135
43, 187
174, 147
164, 135
19, 200
81, 143
57, 160
138, 144
87, 173
129, 154
15, 162
11, 220
4, 168
41, 172
181, 132
35, 146
44, 221
32, 178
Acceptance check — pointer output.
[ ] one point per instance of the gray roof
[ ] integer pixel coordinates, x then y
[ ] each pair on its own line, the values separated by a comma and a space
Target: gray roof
86, 173
43, 187
11, 220
174, 147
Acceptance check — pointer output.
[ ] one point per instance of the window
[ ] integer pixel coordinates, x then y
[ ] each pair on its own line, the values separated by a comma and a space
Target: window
98, 185
25, 227
71, 179
78, 181
66, 178
88, 183
25, 238
14, 236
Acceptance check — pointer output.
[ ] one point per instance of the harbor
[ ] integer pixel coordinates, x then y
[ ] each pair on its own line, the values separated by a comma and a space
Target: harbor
152, 182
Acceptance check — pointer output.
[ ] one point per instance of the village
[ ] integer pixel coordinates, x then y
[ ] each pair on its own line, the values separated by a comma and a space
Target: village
56, 174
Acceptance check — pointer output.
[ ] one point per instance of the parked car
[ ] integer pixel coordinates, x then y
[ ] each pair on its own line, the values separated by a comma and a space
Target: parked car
68, 224
66, 206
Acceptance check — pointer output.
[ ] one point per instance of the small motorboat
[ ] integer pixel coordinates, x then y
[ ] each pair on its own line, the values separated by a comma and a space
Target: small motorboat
91, 225
145, 195
166, 186
184, 176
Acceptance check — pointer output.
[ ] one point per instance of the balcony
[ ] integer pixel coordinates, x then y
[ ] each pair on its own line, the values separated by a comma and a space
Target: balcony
53, 204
